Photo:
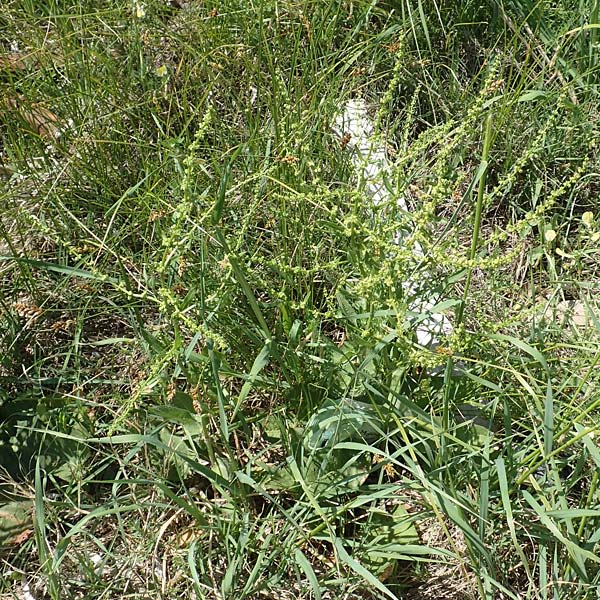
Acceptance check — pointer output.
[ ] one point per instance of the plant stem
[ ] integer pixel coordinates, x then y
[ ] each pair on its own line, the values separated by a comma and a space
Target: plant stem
482, 174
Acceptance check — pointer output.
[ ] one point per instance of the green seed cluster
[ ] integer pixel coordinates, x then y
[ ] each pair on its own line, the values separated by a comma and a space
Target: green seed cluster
177, 238
386, 101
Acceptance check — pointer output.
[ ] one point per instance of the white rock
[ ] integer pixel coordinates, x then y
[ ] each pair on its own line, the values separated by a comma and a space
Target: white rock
373, 169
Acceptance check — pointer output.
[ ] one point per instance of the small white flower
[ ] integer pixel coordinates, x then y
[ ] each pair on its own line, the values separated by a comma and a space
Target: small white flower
140, 11
550, 235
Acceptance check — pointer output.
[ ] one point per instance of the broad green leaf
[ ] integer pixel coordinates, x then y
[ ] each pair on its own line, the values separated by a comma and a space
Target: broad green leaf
530, 95
389, 535
342, 420
173, 414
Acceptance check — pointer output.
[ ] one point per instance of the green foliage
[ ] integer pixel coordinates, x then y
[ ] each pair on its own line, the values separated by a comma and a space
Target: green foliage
209, 357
